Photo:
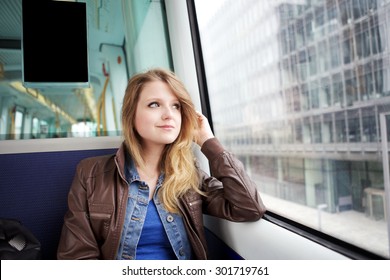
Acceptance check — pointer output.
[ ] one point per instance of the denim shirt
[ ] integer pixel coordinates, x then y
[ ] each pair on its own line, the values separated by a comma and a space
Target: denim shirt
137, 204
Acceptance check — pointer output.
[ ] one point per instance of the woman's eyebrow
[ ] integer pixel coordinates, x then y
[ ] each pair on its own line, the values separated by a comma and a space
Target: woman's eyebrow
153, 98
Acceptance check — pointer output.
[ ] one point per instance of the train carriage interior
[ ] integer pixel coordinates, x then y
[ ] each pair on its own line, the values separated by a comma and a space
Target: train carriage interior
297, 89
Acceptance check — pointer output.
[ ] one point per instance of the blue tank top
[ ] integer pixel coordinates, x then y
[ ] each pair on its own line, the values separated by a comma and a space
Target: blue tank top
154, 243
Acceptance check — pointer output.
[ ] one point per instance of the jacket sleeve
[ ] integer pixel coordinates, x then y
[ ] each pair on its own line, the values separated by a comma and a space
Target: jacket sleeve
77, 239
230, 193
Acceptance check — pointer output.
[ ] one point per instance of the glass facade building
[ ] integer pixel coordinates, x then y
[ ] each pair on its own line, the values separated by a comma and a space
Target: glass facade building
296, 90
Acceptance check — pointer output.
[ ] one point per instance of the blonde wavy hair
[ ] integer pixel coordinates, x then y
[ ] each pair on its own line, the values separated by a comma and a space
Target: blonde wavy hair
178, 161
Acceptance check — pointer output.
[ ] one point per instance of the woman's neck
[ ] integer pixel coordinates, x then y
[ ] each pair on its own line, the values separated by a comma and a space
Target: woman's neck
150, 170
152, 157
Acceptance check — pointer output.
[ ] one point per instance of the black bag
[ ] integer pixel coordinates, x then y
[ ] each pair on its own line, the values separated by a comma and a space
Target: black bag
17, 242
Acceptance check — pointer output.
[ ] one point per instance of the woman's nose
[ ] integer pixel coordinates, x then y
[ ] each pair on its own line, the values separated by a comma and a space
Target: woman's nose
167, 113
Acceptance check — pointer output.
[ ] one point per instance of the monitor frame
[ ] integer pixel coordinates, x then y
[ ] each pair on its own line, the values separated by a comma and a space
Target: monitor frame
59, 58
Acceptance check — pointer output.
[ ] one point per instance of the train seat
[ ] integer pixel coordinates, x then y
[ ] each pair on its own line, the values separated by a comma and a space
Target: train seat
38, 197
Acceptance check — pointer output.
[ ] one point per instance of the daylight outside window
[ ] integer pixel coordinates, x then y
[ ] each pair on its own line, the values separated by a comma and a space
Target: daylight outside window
296, 91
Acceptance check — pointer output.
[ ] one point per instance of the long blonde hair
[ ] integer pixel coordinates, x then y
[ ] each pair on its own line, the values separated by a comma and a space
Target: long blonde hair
178, 162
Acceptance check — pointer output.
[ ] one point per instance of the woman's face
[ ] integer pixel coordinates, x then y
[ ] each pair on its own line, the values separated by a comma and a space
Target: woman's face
158, 115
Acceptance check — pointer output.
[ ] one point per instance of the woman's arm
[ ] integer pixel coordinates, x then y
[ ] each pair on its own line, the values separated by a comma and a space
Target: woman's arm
231, 194
77, 238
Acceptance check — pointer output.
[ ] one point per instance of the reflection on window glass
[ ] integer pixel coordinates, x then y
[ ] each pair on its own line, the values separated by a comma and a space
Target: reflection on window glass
124, 37
35, 128
315, 133
18, 124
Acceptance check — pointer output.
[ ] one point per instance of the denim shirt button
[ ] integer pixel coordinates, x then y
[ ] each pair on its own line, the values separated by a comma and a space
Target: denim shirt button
181, 252
169, 219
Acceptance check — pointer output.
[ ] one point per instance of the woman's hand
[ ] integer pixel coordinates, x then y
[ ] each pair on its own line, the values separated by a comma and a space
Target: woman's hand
204, 130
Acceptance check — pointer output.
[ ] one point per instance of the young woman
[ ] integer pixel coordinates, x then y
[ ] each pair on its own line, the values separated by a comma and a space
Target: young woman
147, 200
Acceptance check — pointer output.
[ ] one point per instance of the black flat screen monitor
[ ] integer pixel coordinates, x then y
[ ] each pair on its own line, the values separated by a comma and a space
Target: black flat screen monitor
54, 44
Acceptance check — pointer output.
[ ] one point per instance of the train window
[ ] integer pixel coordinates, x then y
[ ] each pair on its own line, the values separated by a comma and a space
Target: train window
125, 37
297, 90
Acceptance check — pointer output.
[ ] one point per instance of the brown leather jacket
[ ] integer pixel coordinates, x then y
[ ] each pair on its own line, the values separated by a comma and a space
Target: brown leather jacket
97, 203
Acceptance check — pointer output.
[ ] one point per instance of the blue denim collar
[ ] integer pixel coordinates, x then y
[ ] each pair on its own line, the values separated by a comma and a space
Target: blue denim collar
132, 175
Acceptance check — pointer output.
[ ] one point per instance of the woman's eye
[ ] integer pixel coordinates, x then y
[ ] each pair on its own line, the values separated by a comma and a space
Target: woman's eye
153, 105
176, 106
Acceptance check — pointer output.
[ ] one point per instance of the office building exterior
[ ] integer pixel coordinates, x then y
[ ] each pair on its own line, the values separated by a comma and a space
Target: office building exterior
303, 83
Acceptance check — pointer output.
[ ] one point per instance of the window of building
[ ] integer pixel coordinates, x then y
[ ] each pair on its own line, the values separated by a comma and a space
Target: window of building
305, 97
291, 37
309, 25
334, 51
353, 126
303, 64
300, 33
338, 90
285, 72
379, 74
312, 57
378, 35
315, 94
325, 93
366, 82
320, 29
298, 131
296, 99
351, 89
323, 56
348, 46
307, 133
332, 14
327, 129
369, 119
294, 68
284, 41
362, 39
341, 127
345, 11
293, 170
317, 131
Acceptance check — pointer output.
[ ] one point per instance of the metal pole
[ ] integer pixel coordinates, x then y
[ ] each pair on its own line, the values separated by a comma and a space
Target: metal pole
386, 175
